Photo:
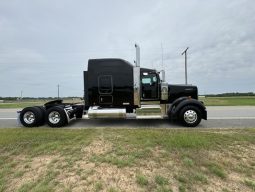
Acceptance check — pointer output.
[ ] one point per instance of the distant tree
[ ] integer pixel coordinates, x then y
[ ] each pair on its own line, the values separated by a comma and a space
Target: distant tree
234, 94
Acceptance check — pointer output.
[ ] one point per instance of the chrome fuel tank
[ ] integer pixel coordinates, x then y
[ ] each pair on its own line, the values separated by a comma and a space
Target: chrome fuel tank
97, 112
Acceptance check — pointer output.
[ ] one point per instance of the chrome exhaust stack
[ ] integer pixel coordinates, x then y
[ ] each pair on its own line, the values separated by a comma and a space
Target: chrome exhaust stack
163, 76
136, 75
137, 62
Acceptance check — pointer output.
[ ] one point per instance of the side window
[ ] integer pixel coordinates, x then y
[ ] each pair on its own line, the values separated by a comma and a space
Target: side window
150, 79
105, 84
146, 80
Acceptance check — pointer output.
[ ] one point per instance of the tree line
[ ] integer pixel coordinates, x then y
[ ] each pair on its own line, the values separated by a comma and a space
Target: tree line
234, 94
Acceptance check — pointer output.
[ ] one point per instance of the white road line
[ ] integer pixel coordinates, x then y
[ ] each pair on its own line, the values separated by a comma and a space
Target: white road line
212, 118
231, 118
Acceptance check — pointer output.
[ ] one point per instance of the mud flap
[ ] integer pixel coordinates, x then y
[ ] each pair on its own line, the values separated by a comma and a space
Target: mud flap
18, 118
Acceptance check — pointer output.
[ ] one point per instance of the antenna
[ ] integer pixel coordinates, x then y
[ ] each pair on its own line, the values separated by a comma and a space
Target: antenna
162, 56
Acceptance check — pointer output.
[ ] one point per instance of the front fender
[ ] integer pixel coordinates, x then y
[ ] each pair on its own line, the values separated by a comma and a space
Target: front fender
176, 102
174, 111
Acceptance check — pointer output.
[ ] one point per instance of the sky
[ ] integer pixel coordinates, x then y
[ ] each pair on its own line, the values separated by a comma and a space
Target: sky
48, 42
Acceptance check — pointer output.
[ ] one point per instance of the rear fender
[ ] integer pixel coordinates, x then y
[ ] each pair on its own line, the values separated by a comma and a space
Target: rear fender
53, 103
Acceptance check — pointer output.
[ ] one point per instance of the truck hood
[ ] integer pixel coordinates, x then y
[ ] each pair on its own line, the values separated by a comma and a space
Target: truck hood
177, 91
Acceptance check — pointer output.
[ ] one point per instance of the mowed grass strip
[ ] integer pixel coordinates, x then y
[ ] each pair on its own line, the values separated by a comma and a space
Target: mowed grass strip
209, 101
18, 105
229, 101
31, 103
126, 159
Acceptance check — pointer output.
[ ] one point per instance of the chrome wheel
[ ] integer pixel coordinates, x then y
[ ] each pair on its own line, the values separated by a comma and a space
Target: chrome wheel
190, 116
29, 117
54, 117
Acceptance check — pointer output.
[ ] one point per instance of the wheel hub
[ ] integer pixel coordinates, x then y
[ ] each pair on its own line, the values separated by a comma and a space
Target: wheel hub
29, 117
190, 116
54, 117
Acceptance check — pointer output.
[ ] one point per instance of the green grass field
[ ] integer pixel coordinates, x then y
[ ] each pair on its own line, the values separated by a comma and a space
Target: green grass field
42, 159
209, 101
228, 101
23, 104
19, 104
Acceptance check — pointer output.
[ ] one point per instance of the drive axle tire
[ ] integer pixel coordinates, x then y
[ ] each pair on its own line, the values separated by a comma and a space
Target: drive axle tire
190, 116
31, 117
56, 117
43, 113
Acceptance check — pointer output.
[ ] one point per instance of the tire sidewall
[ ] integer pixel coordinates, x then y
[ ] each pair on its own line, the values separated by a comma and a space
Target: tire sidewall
37, 113
63, 119
190, 107
43, 114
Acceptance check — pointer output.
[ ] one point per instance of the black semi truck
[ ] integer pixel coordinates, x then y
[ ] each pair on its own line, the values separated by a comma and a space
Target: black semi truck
114, 88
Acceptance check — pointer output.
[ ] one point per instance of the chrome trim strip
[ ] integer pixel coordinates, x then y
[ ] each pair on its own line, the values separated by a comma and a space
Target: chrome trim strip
164, 91
136, 77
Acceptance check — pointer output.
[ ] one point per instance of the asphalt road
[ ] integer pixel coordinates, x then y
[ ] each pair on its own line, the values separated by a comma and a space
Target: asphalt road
218, 117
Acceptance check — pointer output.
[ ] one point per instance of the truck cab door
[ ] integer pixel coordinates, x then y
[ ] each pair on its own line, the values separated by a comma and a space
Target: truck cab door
149, 86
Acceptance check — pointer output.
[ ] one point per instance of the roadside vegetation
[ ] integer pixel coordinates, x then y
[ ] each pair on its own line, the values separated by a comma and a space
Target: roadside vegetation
12, 104
43, 159
209, 101
229, 101
20, 105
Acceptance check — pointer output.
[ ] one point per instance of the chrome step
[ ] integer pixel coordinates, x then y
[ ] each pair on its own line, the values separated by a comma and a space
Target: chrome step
149, 110
150, 102
149, 117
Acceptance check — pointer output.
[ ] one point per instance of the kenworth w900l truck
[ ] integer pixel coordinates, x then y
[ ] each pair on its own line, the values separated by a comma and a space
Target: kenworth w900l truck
114, 88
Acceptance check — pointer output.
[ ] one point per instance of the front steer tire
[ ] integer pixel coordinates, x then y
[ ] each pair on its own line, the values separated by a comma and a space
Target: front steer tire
56, 117
190, 116
31, 117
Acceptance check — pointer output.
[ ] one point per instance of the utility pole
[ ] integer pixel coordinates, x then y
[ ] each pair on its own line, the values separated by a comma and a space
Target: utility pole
21, 93
58, 91
186, 76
